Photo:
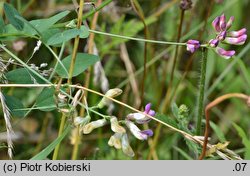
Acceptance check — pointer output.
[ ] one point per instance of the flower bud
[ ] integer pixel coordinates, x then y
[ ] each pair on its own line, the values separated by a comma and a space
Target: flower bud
88, 128
213, 43
222, 35
223, 22
186, 4
42, 65
192, 45
216, 24
183, 112
230, 22
111, 94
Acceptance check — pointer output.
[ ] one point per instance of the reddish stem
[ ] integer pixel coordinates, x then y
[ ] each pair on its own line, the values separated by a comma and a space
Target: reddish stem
210, 106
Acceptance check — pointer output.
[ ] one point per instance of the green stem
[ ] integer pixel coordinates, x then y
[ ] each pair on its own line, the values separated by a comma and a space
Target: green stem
59, 58
96, 9
71, 69
200, 111
139, 39
61, 128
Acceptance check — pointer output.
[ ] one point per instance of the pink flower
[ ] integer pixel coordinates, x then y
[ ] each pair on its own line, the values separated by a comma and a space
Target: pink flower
224, 53
193, 45
236, 41
223, 35
220, 24
237, 33
213, 43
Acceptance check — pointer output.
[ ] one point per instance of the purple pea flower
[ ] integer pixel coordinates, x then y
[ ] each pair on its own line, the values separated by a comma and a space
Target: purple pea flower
141, 135
237, 33
224, 53
223, 35
142, 118
236, 41
193, 45
213, 43
148, 110
220, 24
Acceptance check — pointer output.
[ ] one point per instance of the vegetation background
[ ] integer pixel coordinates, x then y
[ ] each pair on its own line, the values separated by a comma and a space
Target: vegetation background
123, 66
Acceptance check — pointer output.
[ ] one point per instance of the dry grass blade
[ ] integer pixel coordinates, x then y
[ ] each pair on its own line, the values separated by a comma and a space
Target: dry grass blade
10, 132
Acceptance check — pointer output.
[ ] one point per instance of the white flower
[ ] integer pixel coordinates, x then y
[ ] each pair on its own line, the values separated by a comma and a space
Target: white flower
115, 126
115, 141
140, 117
141, 135
88, 128
126, 148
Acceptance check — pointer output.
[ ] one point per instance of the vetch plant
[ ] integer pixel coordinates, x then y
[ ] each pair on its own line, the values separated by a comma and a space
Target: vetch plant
223, 35
119, 139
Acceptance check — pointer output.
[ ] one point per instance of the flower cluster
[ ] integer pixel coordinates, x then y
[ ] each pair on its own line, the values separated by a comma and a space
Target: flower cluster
119, 139
222, 35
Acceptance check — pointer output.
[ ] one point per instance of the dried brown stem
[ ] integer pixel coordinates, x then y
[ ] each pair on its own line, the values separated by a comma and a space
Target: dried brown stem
210, 106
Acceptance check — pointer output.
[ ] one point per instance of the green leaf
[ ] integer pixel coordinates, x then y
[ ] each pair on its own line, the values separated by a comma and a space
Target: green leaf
175, 110
83, 61
46, 99
67, 35
44, 24
183, 153
193, 147
245, 140
167, 120
15, 106
41, 25
45, 152
23, 76
2, 25
29, 28
218, 132
10, 13
46, 35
